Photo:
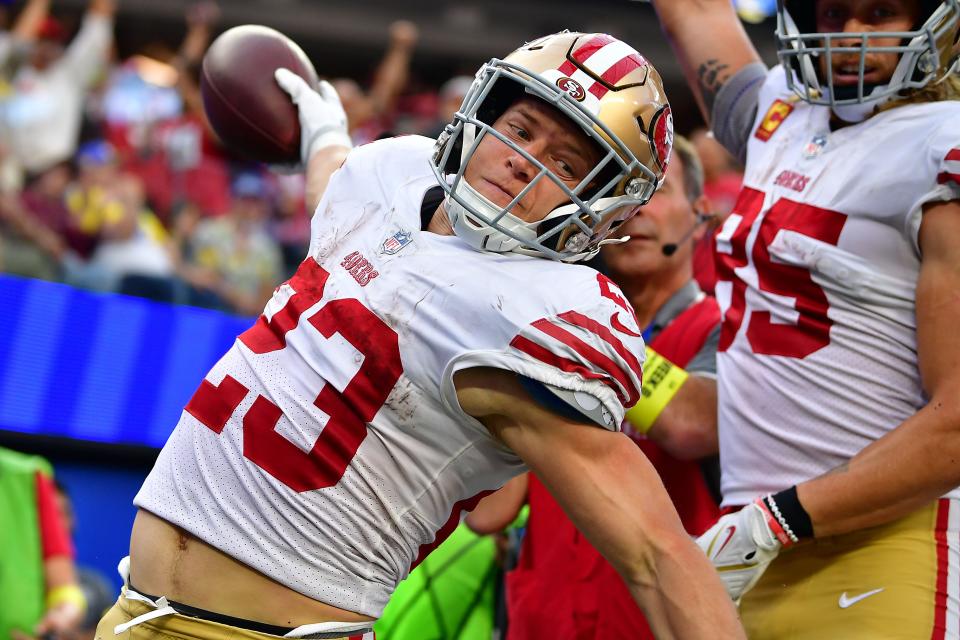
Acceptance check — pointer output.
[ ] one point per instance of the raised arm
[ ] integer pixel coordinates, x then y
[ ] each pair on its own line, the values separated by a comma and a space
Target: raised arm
611, 492
200, 18
324, 141
89, 50
710, 43
393, 71
31, 17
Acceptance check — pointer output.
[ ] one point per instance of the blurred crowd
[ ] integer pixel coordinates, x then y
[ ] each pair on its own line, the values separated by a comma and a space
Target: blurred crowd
112, 180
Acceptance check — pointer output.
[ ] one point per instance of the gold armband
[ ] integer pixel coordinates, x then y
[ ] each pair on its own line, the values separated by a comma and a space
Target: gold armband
66, 593
661, 381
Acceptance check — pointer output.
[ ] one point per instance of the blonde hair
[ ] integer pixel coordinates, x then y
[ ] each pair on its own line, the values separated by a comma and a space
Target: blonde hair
946, 89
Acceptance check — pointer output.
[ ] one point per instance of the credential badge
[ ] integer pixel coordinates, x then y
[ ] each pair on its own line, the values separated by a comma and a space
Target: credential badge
396, 242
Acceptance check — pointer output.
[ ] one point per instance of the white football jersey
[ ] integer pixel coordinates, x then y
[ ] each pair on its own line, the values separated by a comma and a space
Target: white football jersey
327, 448
817, 269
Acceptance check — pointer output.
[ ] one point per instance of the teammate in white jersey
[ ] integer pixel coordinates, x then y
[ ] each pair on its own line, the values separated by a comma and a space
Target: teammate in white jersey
839, 384
435, 342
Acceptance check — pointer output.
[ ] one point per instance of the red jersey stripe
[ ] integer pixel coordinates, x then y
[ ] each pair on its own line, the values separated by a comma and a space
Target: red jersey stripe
548, 357
610, 291
593, 356
946, 177
467, 504
308, 284
940, 535
596, 328
592, 45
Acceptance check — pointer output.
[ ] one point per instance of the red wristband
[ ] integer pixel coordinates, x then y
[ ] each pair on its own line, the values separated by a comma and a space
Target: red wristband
777, 526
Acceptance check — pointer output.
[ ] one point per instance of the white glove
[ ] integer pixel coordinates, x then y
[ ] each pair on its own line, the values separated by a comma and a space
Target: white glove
323, 122
741, 545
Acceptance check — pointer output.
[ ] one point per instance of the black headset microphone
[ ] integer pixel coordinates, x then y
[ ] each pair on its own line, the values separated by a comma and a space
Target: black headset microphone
670, 248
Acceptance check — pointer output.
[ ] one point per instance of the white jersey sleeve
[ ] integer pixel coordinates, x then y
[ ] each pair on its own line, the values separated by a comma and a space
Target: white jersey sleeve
943, 162
589, 345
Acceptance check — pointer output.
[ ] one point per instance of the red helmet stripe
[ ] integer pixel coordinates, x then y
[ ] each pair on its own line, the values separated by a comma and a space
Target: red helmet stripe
611, 69
622, 68
592, 45
598, 89
567, 68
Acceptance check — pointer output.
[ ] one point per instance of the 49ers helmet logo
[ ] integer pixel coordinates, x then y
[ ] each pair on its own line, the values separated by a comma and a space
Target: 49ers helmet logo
572, 88
661, 130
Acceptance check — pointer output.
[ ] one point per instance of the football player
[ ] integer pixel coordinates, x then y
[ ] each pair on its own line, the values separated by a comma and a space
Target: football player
839, 269
436, 342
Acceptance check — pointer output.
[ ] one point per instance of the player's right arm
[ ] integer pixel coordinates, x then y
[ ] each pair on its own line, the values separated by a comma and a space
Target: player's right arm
710, 43
613, 495
324, 141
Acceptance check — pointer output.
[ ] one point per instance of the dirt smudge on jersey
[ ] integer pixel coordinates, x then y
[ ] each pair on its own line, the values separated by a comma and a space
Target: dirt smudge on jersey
403, 401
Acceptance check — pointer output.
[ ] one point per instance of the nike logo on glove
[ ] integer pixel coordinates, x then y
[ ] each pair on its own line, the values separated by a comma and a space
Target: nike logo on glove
850, 601
730, 531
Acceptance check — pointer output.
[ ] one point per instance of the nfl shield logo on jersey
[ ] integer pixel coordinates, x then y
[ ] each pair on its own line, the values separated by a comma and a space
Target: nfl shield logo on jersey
396, 242
814, 147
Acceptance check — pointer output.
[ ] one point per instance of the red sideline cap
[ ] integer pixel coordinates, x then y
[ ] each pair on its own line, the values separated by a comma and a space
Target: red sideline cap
52, 29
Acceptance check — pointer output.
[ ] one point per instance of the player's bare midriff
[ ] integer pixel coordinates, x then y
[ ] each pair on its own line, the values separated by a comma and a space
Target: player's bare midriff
167, 561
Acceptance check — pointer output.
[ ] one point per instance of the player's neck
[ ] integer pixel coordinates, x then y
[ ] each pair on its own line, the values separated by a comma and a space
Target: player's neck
649, 293
440, 223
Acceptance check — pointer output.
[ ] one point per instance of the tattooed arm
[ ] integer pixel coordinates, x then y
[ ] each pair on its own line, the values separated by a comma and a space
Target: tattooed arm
710, 44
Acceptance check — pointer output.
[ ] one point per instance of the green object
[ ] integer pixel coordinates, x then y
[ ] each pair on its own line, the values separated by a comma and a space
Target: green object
449, 596
21, 566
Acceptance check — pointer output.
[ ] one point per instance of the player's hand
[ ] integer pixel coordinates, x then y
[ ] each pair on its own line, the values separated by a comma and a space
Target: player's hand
323, 122
740, 545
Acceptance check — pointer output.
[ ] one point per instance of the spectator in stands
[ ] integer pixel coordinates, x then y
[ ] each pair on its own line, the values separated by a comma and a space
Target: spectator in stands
92, 206
723, 178
290, 225
38, 585
722, 174
32, 240
182, 161
234, 257
368, 113
98, 592
132, 250
40, 118
674, 422
452, 93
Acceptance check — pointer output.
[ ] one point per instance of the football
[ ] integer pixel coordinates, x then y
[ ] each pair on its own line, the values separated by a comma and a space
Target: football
246, 107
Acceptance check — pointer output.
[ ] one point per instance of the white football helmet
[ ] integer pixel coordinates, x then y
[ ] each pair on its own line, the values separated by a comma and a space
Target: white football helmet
610, 92
927, 55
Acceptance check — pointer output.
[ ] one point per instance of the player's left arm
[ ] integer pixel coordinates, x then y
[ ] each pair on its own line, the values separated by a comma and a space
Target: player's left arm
918, 461
909, 467
613, 495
